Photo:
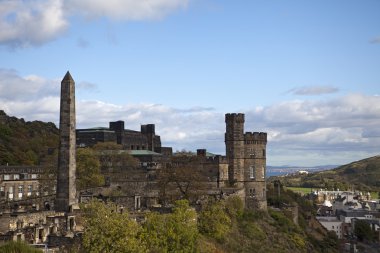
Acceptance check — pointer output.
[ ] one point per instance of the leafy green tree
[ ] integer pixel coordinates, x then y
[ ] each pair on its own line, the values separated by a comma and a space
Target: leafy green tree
88, 170
214, 220
234, 206
112, 155
174, 232
107, 230
182, 179
18, 247
363, 230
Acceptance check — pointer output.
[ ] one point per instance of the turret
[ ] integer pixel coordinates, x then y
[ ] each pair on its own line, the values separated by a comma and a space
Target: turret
234, 139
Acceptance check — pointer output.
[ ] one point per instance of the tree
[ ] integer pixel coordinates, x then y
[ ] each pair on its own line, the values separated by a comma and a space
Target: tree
174, 232
214, 220
88, 170
182, 179
15, 247
363, 230
107, 230
107, 146
112, 156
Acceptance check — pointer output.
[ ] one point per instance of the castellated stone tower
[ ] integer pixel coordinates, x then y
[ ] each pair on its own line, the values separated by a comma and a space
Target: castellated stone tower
66, 189
246, 156
255, 167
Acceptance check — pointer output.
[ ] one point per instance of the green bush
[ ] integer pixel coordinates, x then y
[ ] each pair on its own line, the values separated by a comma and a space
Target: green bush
18, 247
214, 221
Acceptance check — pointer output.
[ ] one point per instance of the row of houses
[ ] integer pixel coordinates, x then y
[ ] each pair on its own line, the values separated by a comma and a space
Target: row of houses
338, 211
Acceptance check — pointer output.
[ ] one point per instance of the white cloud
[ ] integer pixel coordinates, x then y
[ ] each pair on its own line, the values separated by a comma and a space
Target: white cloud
14, 87
313, 90
345, 125
375, 40
36, 22
335, 131
87, 86
125, 9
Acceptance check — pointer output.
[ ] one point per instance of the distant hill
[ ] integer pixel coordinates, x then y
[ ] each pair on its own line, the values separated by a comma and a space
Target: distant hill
27, 143
363, 175
288, 169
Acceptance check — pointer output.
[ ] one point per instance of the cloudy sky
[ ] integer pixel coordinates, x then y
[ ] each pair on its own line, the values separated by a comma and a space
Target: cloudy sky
306, 72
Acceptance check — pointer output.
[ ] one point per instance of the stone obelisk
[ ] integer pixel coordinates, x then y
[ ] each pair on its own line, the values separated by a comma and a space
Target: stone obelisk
66, 190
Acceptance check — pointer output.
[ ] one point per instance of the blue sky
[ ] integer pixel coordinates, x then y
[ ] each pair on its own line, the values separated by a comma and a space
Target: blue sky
306, 72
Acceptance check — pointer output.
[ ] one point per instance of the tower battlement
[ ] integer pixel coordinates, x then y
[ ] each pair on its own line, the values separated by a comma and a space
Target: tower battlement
246, 159
255, 136
235, 117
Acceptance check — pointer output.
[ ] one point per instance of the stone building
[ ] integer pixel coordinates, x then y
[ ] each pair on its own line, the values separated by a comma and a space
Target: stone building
246, 156
19, 182
146, 139
241, 172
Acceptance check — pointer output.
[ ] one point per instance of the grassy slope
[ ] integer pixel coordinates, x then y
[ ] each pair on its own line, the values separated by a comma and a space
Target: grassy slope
274, 231
363, 175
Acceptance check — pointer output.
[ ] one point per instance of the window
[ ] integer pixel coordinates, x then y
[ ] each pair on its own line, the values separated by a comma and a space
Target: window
263, 152
34, 176
20, 191
252, 192
10, 192
30, 190
16, 177
7, 177
251, 172
137, 202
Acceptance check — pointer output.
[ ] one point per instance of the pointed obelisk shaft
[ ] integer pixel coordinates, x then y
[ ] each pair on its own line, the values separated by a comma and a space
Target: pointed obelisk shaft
66, 190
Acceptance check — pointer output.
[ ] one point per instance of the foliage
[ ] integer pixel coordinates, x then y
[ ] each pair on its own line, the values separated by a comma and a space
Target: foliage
26, 143
175, 232
107, 230
282, 222
249, 226
116, 160
107, 146
234, 206
214, 221
18, 247
182, 179
363, 230
88, 169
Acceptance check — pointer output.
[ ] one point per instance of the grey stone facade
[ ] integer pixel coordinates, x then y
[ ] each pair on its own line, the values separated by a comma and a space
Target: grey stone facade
246, 155
146, 139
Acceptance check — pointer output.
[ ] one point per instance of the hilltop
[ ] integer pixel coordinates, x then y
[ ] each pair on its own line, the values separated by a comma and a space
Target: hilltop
362, 175
26, 142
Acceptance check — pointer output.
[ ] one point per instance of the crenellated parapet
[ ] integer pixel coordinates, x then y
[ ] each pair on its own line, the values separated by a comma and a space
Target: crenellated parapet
246, 157
235, 117
255, 138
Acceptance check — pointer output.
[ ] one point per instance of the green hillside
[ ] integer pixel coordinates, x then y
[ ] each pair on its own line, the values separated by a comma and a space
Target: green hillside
362, 175
26, 143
